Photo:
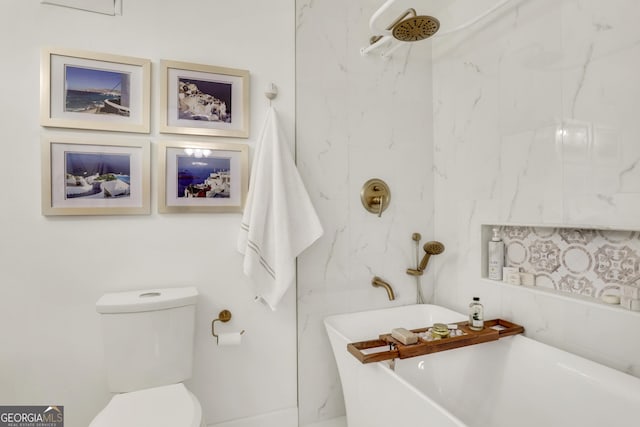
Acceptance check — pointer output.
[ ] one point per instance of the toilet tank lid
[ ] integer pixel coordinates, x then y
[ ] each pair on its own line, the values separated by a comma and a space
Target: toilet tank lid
146, 300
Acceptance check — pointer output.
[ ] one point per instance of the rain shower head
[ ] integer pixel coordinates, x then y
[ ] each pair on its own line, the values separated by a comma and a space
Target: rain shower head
415, 28
411, 27
408, 27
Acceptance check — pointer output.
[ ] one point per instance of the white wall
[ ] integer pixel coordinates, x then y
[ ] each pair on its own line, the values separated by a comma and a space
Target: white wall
51, 272
357, 118
536, 123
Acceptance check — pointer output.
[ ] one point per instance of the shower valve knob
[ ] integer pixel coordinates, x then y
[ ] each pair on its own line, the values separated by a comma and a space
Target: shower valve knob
375, 196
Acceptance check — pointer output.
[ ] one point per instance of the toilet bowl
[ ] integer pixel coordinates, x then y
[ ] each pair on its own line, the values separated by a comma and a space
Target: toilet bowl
165, 406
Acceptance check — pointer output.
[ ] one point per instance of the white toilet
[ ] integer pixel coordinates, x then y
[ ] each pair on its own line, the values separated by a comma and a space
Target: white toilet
148, 341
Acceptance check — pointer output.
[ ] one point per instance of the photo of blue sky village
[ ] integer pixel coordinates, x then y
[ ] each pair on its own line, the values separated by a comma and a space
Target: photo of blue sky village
206, 177
204, 100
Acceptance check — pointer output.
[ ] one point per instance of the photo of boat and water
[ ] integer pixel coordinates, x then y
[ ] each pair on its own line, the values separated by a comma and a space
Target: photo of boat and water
94, 91
97, 175
204, 177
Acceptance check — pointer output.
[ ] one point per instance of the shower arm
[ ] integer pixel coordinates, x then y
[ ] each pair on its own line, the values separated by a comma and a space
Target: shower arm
382, 36
408, 12
364, 51
373, 22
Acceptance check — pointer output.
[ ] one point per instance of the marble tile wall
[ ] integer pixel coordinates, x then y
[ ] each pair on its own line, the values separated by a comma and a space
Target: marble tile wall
527, 117
535, 123
357, 118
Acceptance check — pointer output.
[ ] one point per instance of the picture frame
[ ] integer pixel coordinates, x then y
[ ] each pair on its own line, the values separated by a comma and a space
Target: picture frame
90, 177
89, 90
195, 177
206, 100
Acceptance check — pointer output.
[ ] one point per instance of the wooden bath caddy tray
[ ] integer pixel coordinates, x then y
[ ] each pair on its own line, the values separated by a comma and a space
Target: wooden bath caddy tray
372, 350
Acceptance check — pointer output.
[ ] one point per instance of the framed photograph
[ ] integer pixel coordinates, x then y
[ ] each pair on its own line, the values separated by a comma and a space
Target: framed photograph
204, 100
202, 177
87, 90
81, 177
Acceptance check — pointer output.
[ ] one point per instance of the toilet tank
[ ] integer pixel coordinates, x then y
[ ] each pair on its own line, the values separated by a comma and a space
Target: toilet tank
148, 337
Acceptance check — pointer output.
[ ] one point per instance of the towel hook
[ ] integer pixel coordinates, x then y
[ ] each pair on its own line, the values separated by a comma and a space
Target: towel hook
271, 92
224, 316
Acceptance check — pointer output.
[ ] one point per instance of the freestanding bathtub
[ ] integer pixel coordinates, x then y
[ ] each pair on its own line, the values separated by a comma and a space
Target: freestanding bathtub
512, 382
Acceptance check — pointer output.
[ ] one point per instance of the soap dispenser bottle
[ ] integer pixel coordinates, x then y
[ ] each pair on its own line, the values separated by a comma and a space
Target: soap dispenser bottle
476, 315
496, 256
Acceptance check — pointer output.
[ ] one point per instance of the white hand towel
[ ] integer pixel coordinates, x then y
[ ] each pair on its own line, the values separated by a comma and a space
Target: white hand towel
279, 221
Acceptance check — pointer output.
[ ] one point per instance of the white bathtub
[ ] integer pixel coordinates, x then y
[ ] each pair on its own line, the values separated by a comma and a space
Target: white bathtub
512, 382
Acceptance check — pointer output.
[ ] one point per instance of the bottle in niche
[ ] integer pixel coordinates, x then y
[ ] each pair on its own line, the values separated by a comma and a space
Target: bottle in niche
476, 315
496, 256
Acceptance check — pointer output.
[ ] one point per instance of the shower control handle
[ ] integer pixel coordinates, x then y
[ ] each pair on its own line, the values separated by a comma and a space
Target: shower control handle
375, 196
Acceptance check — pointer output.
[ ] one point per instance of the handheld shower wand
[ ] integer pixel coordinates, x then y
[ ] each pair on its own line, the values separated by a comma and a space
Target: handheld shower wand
430, 248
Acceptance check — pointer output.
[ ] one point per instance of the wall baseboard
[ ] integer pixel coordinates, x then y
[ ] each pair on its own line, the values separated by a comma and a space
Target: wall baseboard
282, 418
333, 422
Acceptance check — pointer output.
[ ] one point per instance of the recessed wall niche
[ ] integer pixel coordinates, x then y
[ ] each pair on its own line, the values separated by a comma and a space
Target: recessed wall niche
579, 262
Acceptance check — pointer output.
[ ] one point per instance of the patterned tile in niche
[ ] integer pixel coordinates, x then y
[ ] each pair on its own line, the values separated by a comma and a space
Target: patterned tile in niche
577, 259
577, 235
544, 232
617, 265
579, 262
610, 289
544, 256
577, 285
545, 281
615, 236
516, 253
517, 233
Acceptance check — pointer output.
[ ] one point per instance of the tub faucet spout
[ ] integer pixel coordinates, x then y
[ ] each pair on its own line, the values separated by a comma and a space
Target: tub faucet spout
378, 282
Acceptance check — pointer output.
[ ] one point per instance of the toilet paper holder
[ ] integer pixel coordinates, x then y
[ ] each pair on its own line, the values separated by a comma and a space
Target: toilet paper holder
224, 316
